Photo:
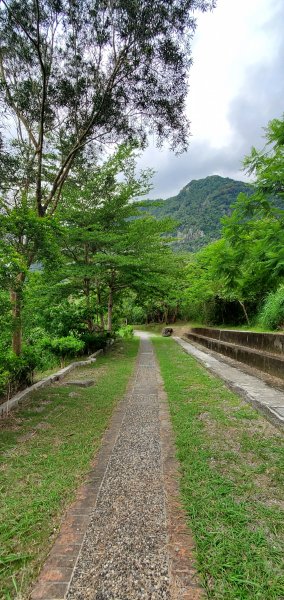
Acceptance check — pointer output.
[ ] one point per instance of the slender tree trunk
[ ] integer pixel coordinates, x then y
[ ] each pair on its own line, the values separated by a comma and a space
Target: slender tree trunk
102, 321
175, 312
109, 309
100, 310
16, 300
87, 292
245, 312
166, 315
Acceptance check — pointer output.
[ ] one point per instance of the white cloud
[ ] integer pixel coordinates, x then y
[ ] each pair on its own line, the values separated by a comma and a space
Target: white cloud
229, 40
236, 86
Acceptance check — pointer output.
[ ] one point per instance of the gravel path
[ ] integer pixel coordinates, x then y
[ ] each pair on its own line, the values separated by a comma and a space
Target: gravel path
124, 555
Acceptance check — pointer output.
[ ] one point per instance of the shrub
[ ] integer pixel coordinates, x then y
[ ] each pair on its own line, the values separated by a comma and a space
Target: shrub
94, 341
64, 347
16, 371
126, 331
36, 342
4, 382
271, 315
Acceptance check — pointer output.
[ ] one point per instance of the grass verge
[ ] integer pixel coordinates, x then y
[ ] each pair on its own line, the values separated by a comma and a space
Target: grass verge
46, 447
183, 326
232, 481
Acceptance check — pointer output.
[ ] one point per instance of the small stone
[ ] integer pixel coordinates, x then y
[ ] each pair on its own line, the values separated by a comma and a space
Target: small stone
43, 426
74, 395
80, 382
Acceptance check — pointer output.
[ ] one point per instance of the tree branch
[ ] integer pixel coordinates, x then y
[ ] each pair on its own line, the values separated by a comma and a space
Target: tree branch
14, 106
42, 116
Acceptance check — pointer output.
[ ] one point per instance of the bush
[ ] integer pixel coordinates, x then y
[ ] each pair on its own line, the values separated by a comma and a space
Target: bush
271, 315
36, 342
126, 331
64, 347
16, 371
4, 382
94, 341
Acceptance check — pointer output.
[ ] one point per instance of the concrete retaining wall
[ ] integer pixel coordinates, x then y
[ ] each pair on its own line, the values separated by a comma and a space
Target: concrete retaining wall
18, 398
267, 342
269, 363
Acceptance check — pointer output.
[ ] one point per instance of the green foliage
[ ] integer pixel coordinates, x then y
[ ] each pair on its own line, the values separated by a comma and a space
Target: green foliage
126, 331
94, 341
272, 313
64, 347
5, 320
16, 372
130, 309
227, 280
24, 238
107, 248
142, 55
4, 381
112, 248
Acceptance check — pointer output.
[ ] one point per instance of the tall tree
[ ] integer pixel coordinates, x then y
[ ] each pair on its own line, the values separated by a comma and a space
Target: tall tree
81, 73
110, 245
248, 262
84, 71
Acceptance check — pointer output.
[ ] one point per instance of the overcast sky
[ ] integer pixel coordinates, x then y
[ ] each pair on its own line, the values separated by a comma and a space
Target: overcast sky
236, 87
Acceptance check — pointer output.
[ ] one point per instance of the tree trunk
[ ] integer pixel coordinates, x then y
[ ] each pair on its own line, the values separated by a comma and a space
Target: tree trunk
166, 314
109, 310
87, 292
245, 312
102, 321
16, 300
100, 312
175, 312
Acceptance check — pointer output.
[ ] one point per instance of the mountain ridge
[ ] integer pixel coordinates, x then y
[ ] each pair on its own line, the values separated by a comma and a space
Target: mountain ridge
198, 207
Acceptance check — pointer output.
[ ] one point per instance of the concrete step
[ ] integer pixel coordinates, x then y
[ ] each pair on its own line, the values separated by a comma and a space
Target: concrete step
273, 343
267, 362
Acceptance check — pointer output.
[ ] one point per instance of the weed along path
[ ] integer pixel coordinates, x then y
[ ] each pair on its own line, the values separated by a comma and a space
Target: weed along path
136, 545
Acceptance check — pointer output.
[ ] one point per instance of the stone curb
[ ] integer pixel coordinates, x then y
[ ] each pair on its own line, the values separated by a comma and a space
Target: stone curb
18, 398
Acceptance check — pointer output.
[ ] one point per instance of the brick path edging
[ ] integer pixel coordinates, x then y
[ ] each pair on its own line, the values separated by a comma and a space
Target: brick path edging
184, 578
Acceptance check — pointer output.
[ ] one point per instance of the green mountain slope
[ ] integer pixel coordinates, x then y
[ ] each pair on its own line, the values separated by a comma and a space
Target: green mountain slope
198, 208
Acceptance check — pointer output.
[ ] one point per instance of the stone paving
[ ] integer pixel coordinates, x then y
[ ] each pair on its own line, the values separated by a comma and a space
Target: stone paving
136, 543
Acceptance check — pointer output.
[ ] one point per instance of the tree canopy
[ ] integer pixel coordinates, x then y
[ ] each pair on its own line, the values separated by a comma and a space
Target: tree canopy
75, 74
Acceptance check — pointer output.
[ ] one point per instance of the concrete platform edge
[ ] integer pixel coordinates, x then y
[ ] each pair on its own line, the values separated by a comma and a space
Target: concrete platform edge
262, 407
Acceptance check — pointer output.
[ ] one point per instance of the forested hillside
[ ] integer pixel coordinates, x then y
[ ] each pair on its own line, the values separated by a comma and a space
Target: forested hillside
198, 207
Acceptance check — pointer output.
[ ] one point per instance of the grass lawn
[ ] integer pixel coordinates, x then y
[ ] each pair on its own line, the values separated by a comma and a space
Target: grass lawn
232, 463
181, 327
45, 451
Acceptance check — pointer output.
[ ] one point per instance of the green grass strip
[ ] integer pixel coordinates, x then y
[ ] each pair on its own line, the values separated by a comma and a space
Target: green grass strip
46, 448
232, 481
